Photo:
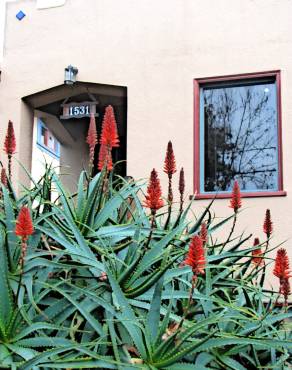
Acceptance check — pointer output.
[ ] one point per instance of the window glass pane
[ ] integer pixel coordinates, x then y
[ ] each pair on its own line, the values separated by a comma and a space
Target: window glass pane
240, 137
47, 140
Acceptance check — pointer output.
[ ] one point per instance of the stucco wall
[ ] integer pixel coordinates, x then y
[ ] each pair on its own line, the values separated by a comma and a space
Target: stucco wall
156, 49
74, 158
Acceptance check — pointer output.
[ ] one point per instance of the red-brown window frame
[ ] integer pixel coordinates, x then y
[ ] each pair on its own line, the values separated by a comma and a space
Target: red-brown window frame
200, 82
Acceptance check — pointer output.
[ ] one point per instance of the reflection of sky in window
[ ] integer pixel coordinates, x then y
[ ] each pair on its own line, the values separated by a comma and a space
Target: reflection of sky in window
240, 137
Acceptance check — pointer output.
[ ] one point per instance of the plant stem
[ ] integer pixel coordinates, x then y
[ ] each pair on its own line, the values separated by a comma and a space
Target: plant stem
181, 204
152, 225
90, 164
9, 166
190, 301
23, 252
264, 269
231, 232
170, 200
232, 228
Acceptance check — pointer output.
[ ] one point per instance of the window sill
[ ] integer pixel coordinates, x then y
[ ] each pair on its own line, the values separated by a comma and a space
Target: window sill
48, 151
279, 193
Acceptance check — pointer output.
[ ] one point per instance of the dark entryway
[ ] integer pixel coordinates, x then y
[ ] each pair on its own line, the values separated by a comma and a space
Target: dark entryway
71, 133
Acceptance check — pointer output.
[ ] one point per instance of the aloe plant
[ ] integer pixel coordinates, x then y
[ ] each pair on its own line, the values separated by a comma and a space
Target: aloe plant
104, 285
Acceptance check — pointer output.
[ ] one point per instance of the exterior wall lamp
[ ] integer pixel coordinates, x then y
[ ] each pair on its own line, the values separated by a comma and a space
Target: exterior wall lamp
70, 75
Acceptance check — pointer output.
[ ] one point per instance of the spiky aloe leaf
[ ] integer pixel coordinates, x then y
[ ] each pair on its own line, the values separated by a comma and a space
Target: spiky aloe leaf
44, 357
153, 316
170, 360
149, 281
113, 204
186, 366
127, 315
12, 240
81, 306
6, 306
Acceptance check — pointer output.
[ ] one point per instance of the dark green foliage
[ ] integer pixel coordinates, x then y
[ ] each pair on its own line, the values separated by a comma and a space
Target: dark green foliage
96, 294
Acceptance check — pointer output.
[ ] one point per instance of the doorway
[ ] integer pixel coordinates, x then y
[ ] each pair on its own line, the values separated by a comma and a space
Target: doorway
70, 132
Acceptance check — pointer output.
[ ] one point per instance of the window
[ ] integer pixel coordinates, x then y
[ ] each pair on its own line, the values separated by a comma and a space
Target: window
238, 135
46, 140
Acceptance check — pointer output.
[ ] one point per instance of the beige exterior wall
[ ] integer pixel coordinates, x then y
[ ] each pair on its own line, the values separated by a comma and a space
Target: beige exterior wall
74, 158
156, 49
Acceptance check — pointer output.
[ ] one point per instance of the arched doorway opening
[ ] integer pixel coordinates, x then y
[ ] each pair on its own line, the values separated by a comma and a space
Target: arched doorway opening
61, 138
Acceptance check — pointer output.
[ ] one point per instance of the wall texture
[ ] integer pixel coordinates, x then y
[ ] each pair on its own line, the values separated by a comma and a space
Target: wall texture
156, 49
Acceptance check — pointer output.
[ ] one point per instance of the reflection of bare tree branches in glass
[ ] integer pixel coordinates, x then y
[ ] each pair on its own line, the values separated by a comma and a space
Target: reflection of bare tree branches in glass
240, 137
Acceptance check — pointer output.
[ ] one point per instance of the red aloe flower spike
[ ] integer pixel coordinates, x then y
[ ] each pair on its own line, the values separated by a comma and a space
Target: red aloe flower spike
169, 162
181, 186
91, 138
257, 254
109, 132
105, 158
10, 141
169, 168
196, 256
24, 226
281, 268
268, 224
204, 233
4, 179
235, 201
153, 198
10, 145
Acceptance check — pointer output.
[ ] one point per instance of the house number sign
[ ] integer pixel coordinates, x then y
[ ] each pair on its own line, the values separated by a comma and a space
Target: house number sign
79, 110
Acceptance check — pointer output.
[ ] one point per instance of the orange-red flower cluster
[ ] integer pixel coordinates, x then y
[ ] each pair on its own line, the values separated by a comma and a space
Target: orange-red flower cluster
109, 139
235, 201
153, 197
196, 256
10, 141
24, 226
282, 271
268, 224
109, 131
257, 254
169, 162
4, 179
91, 137
281, 268
105, 158
204, 233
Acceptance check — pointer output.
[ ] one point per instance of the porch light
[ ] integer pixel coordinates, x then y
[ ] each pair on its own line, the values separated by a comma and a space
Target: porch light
70, 75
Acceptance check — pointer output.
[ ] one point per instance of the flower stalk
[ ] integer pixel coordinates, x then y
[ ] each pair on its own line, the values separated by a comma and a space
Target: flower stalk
235, 204
91, 141
169, 168
282, 272
24, 228
257, 254
153, 200
4, 180
109, 139
204, 233
196, 259
268, 227
181, 189
10, 146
